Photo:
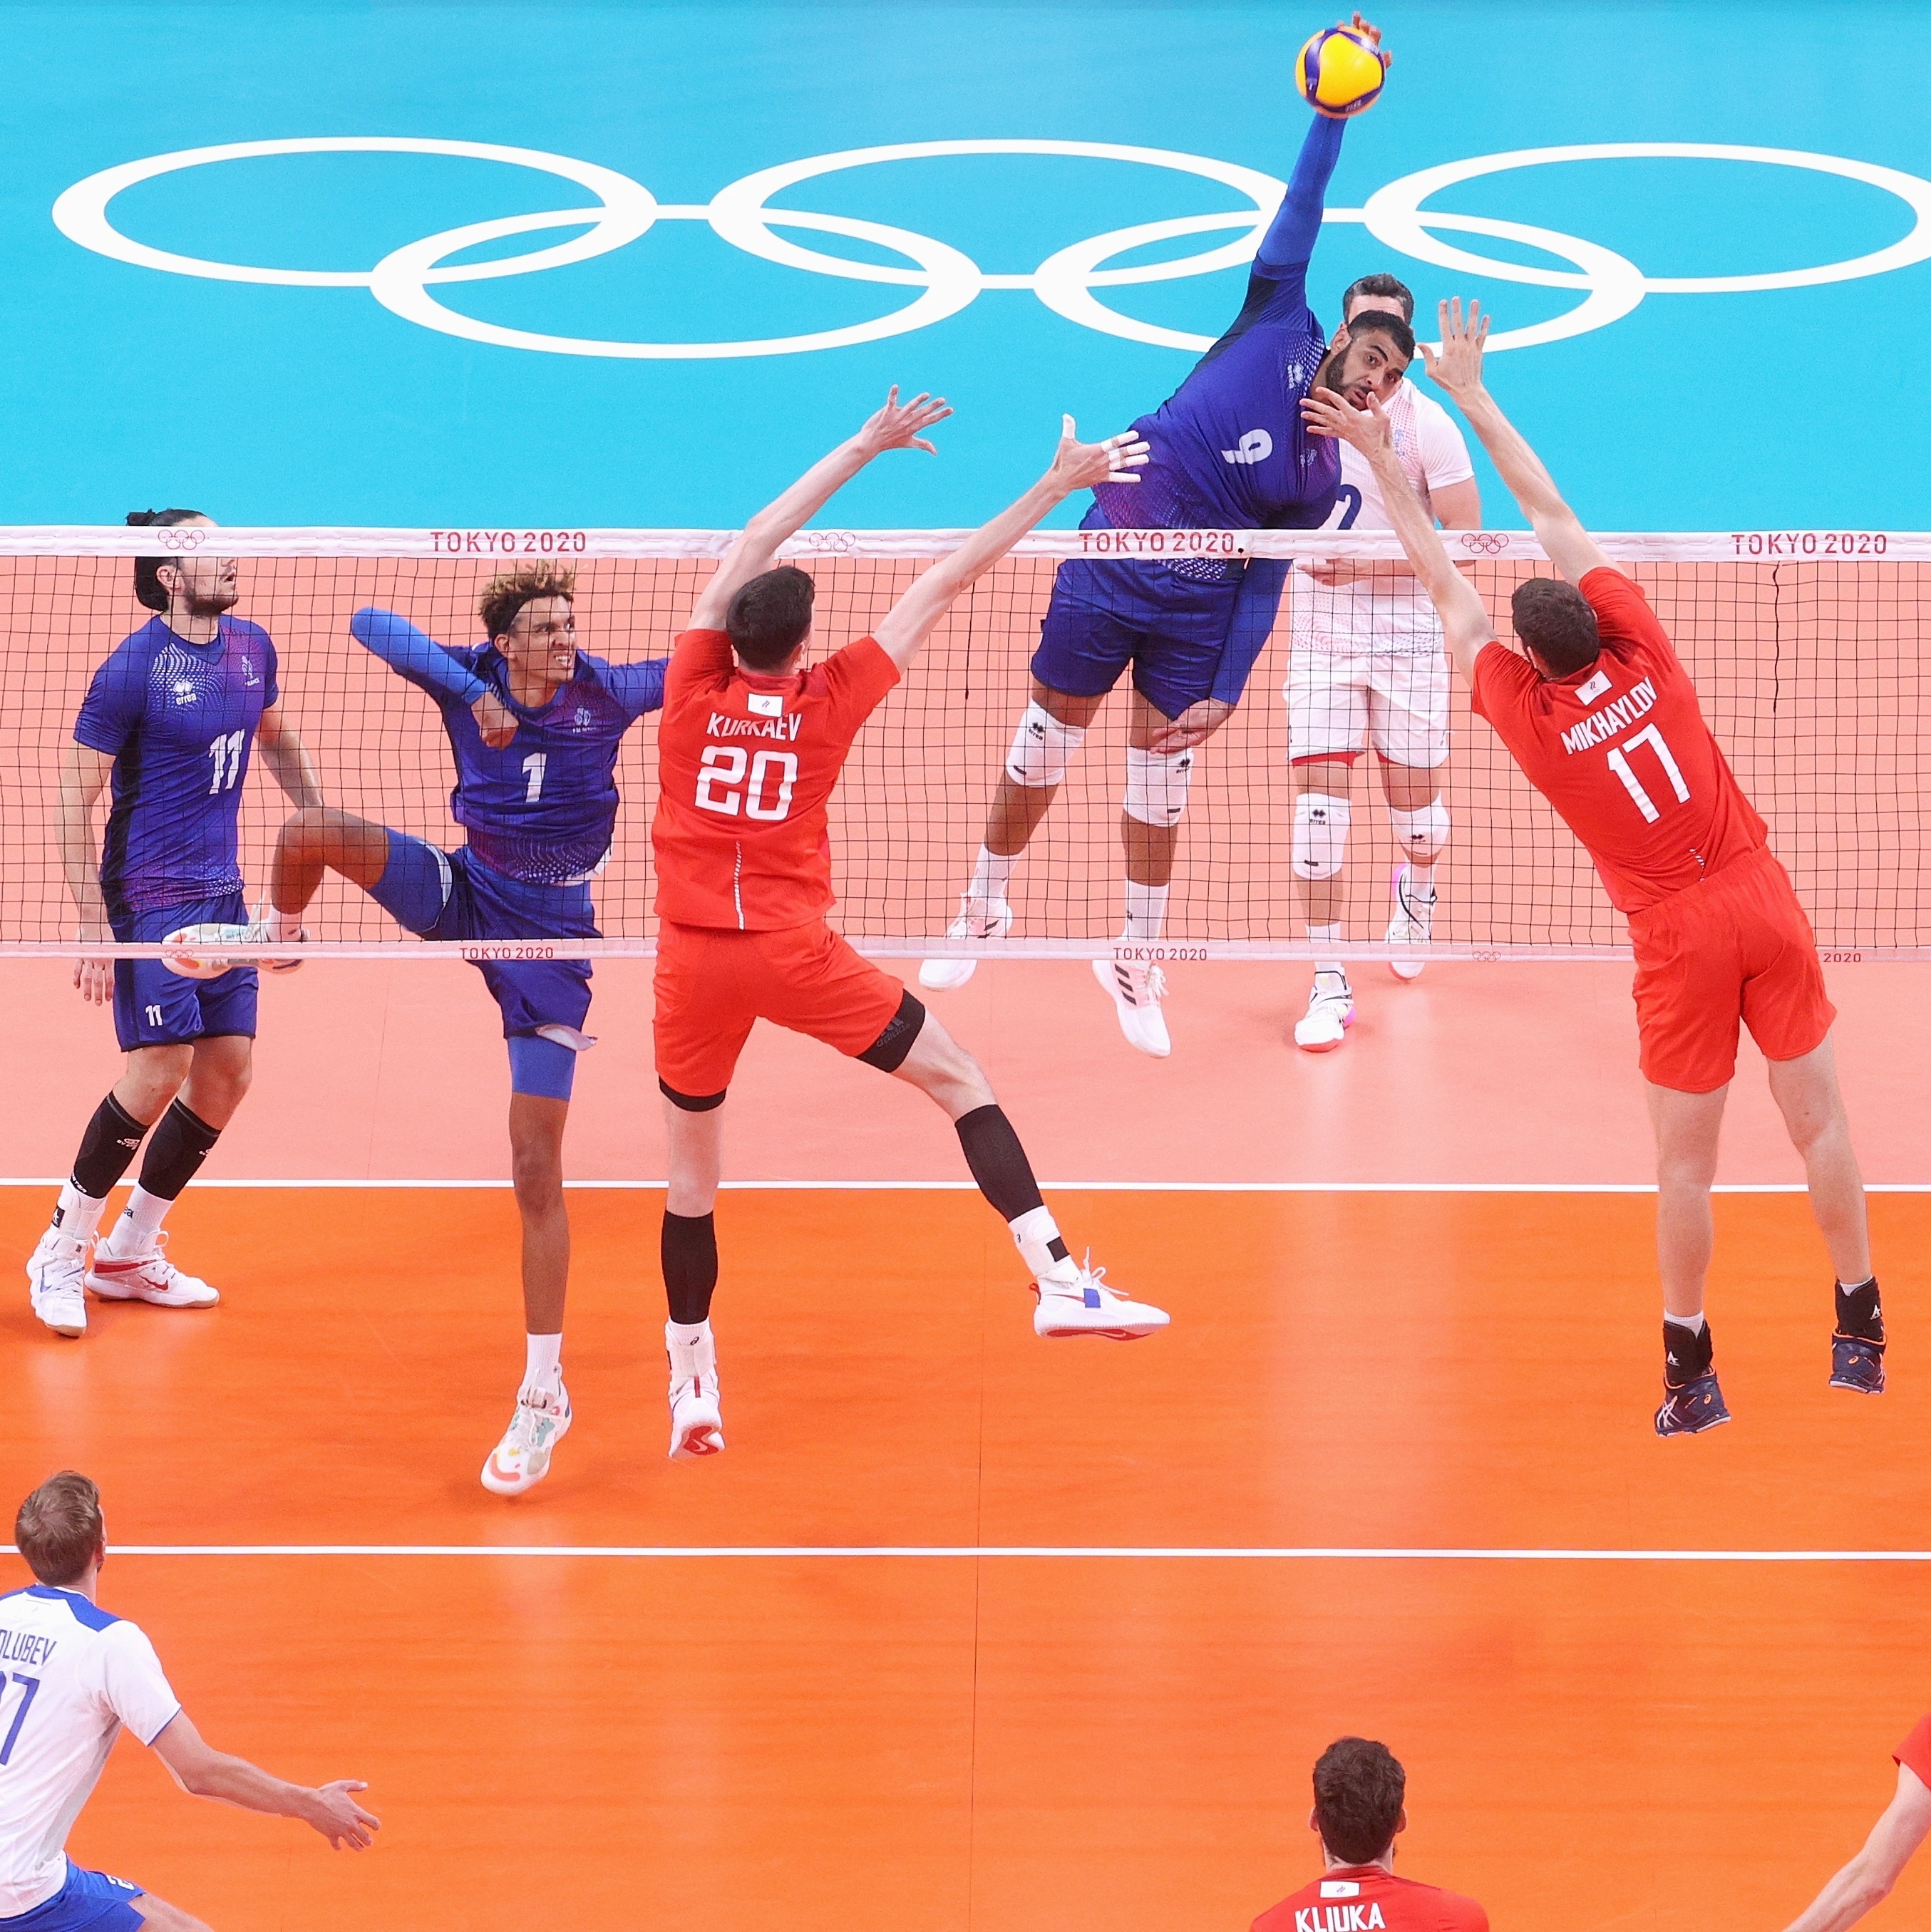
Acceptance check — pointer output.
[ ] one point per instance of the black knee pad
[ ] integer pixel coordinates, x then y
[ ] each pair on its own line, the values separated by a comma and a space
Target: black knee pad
692, 1103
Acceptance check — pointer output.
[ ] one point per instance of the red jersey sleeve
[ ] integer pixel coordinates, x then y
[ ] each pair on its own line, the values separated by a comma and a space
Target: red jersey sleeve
1915, 1754
1501, 682
697, 657
859, 678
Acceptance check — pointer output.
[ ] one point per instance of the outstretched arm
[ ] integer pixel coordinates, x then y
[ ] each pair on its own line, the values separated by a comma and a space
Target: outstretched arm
1869, 1876
896, 426
1076, 466
1465, 625
1458, 370
205, 1772
417, 656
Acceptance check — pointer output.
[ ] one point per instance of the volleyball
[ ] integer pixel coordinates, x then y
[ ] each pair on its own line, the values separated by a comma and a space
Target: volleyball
1339, 73
195, 953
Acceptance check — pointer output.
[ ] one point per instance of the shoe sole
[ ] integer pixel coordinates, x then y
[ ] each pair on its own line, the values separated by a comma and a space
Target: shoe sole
60, 1329
101, 1291
693, 1444
1701, 1429
1099, 1334
1406, 970
948, 982
1324, 1045
1859, 1388
1104, 972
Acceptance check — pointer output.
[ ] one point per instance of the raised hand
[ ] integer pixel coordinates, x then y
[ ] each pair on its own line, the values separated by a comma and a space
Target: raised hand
494, 720
1371, 34
1083, 466
1326, 413
896, 426
339, 1819
1457, 365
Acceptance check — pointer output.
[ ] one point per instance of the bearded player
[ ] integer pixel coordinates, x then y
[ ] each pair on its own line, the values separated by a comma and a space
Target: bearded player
533, 724
1604, 722
1367, 667
1228, 452
172, 718
752, 745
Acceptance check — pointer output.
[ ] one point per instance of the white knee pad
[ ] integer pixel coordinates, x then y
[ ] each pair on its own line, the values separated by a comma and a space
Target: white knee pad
1321, 821
1421, 835
1157, 783
1041, 748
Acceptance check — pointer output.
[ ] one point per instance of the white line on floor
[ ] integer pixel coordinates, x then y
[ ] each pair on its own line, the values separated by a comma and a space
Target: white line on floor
1149, 1553
1090, 1187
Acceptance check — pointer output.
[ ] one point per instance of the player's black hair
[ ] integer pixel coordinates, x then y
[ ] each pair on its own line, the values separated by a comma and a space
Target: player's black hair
147, 585
768, 619
1359, 1788
1379, 322
1386, 286
1555, 620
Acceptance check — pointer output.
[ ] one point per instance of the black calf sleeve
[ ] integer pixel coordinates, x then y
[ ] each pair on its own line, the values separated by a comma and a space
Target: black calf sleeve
182, 1143
998, 1161
107, 1148
689, 1253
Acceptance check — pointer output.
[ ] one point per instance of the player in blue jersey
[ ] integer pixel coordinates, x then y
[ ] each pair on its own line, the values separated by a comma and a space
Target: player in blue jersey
1229, 452
172, 718
533, 725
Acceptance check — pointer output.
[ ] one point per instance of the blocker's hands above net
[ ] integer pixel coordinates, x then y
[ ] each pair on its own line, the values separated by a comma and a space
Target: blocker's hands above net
1457, 365
1371, 33
494, 720
1081, 465
1326, 413
896, 426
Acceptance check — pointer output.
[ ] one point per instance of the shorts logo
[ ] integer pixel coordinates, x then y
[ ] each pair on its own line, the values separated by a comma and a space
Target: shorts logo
1256, 446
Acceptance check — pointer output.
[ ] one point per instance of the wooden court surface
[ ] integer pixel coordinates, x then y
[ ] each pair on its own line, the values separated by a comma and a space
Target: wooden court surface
1012, 1740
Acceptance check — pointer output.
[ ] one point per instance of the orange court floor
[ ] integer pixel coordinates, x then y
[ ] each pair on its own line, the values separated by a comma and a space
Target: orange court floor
968, 1629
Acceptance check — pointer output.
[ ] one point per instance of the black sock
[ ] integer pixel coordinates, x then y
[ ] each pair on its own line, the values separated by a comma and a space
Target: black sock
107, 1148
1685, 1356
688, 1249
999, 1165
1859, 1312
182, 1143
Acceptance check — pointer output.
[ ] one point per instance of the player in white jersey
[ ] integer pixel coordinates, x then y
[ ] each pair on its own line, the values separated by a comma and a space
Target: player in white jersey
74, 1675
1367, 666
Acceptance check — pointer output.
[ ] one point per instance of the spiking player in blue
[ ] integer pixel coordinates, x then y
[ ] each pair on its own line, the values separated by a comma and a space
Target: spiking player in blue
533, 725
172, 718
1229, 452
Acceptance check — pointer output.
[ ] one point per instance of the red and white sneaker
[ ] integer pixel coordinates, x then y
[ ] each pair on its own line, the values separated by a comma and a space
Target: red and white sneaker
522, 1458
697, 1420
1083, 1304
151, 1278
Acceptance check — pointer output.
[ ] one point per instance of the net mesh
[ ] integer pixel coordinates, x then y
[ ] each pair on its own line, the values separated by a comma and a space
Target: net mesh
1809, 662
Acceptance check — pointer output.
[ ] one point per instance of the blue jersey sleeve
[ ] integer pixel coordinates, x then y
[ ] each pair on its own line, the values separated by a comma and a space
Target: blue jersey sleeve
1255, 609
638, 687
1289, 245
116, 700
415, 654
273, 694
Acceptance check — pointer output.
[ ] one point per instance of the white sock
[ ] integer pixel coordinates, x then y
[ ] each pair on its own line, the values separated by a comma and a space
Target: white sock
134, 1233
78, 1214
1421, 880
1034, 1233
1327, 935
1145, 911
692, 1349
1694, 1323
543, 1363
992, 874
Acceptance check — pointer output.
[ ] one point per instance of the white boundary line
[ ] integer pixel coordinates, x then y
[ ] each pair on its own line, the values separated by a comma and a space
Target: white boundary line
1313, 1553
1080, 1186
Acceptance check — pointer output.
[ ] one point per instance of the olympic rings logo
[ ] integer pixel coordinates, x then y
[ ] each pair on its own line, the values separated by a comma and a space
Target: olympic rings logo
1484, 543
179, 537
947, 280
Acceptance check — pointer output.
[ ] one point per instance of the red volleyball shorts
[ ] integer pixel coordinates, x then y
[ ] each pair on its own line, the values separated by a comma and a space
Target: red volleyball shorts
1734, 948
713, 984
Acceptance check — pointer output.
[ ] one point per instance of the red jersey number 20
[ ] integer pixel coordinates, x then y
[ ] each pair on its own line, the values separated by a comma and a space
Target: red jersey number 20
731, 780
1620, 764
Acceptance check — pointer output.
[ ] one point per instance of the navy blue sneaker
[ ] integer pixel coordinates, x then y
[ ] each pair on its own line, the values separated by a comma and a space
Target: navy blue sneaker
1856, 1364
1691, 1409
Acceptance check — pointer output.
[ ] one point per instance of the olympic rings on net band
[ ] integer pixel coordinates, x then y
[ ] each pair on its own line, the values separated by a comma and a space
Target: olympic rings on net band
949, 280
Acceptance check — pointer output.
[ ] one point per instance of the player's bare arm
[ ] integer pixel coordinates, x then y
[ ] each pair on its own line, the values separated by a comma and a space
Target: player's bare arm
1076, 466
288, 758
896, 426
1867, 1880
1457, 369
204, 1772
1465, 625
84, 774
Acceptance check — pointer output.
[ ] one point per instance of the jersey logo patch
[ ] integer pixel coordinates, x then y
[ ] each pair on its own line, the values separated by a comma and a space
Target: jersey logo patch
1590, 692
767, 704
184, 692
1340, 1887
248, 677
1256, 446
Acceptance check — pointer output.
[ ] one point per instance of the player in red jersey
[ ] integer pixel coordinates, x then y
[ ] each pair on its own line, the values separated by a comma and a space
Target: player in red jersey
750, 748
1359, 1787
1868, 1878
1603, 720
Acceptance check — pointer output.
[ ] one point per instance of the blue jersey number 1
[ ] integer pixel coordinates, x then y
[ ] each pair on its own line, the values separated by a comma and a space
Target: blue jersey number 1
30, 1685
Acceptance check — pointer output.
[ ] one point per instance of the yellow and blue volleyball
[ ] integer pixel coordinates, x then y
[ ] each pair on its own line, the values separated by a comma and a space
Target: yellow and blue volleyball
1339, 73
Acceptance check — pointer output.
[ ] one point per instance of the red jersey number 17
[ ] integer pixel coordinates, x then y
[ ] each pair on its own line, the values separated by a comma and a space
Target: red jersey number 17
731, 781
1620, 764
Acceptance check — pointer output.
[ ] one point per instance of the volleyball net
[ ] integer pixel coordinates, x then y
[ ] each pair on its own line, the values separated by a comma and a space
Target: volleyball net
1808, 649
